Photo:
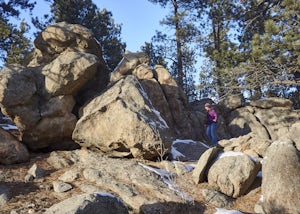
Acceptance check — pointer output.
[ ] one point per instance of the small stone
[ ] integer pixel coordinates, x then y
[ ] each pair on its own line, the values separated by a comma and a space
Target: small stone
28, 178
60, 186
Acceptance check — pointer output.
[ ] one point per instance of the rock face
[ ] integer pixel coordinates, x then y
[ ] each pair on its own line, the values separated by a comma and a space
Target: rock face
41, 97
11, 150
122, 121
281, 179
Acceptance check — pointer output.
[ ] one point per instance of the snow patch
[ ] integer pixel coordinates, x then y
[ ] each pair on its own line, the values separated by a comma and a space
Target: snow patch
232, 154
105, 194
224, 211
8, 127
176, 154
169, 179
261, 199
259, 174
162, 123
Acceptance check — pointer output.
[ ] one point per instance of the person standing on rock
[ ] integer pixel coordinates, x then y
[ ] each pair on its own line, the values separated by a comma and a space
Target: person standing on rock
211, 129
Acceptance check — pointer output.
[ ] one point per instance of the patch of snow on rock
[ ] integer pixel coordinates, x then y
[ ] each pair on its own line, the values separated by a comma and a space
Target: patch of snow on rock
8, 127
224, 211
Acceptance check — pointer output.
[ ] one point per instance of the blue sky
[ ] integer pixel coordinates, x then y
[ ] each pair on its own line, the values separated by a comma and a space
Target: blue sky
139, 18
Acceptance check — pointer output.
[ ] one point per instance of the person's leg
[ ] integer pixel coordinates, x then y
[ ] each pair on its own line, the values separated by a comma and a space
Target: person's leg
208, 132
213, 133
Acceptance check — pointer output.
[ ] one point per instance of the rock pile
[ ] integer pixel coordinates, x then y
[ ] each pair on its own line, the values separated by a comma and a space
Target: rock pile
51, 99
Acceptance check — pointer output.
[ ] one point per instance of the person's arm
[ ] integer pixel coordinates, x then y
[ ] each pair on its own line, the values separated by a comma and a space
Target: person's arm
214, 116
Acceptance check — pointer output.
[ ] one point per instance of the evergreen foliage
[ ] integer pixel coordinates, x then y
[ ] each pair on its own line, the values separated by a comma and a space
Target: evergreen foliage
177, 48
14, 45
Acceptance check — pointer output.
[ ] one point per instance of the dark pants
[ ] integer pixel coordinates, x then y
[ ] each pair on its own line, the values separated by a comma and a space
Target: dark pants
211, 132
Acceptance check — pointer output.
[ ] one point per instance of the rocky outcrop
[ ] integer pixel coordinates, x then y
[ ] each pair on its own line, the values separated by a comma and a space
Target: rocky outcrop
41, 98
66, 75
280, 184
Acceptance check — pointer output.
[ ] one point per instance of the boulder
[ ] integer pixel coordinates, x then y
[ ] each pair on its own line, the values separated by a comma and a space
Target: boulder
60, 186
216, 198
69, 72
123, 122
202, 167
233, 175
294, 134
5, 195
135, 183
61, 37
11, 150
277, 120
188, 150
280, 183
143, 71
89, 203
158, 99
128, 64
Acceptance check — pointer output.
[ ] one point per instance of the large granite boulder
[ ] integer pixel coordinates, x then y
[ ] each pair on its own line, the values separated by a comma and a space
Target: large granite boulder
166, 96
233, 174
281, 179
63, 37
250, 144
206, 159
123, 122
11, 150
69, 72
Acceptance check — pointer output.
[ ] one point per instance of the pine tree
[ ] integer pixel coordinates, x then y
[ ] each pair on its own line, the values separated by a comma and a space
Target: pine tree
218, 19
154, 54
276, 51
177, 48
20, 45
13, 43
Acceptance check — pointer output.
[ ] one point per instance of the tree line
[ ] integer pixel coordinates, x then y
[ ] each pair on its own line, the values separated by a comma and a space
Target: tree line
215, 48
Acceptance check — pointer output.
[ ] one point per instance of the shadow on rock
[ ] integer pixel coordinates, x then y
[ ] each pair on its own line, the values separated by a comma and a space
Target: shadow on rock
173, 207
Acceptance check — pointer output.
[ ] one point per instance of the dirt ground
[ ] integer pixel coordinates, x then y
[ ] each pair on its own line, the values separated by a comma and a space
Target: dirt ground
37, 196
